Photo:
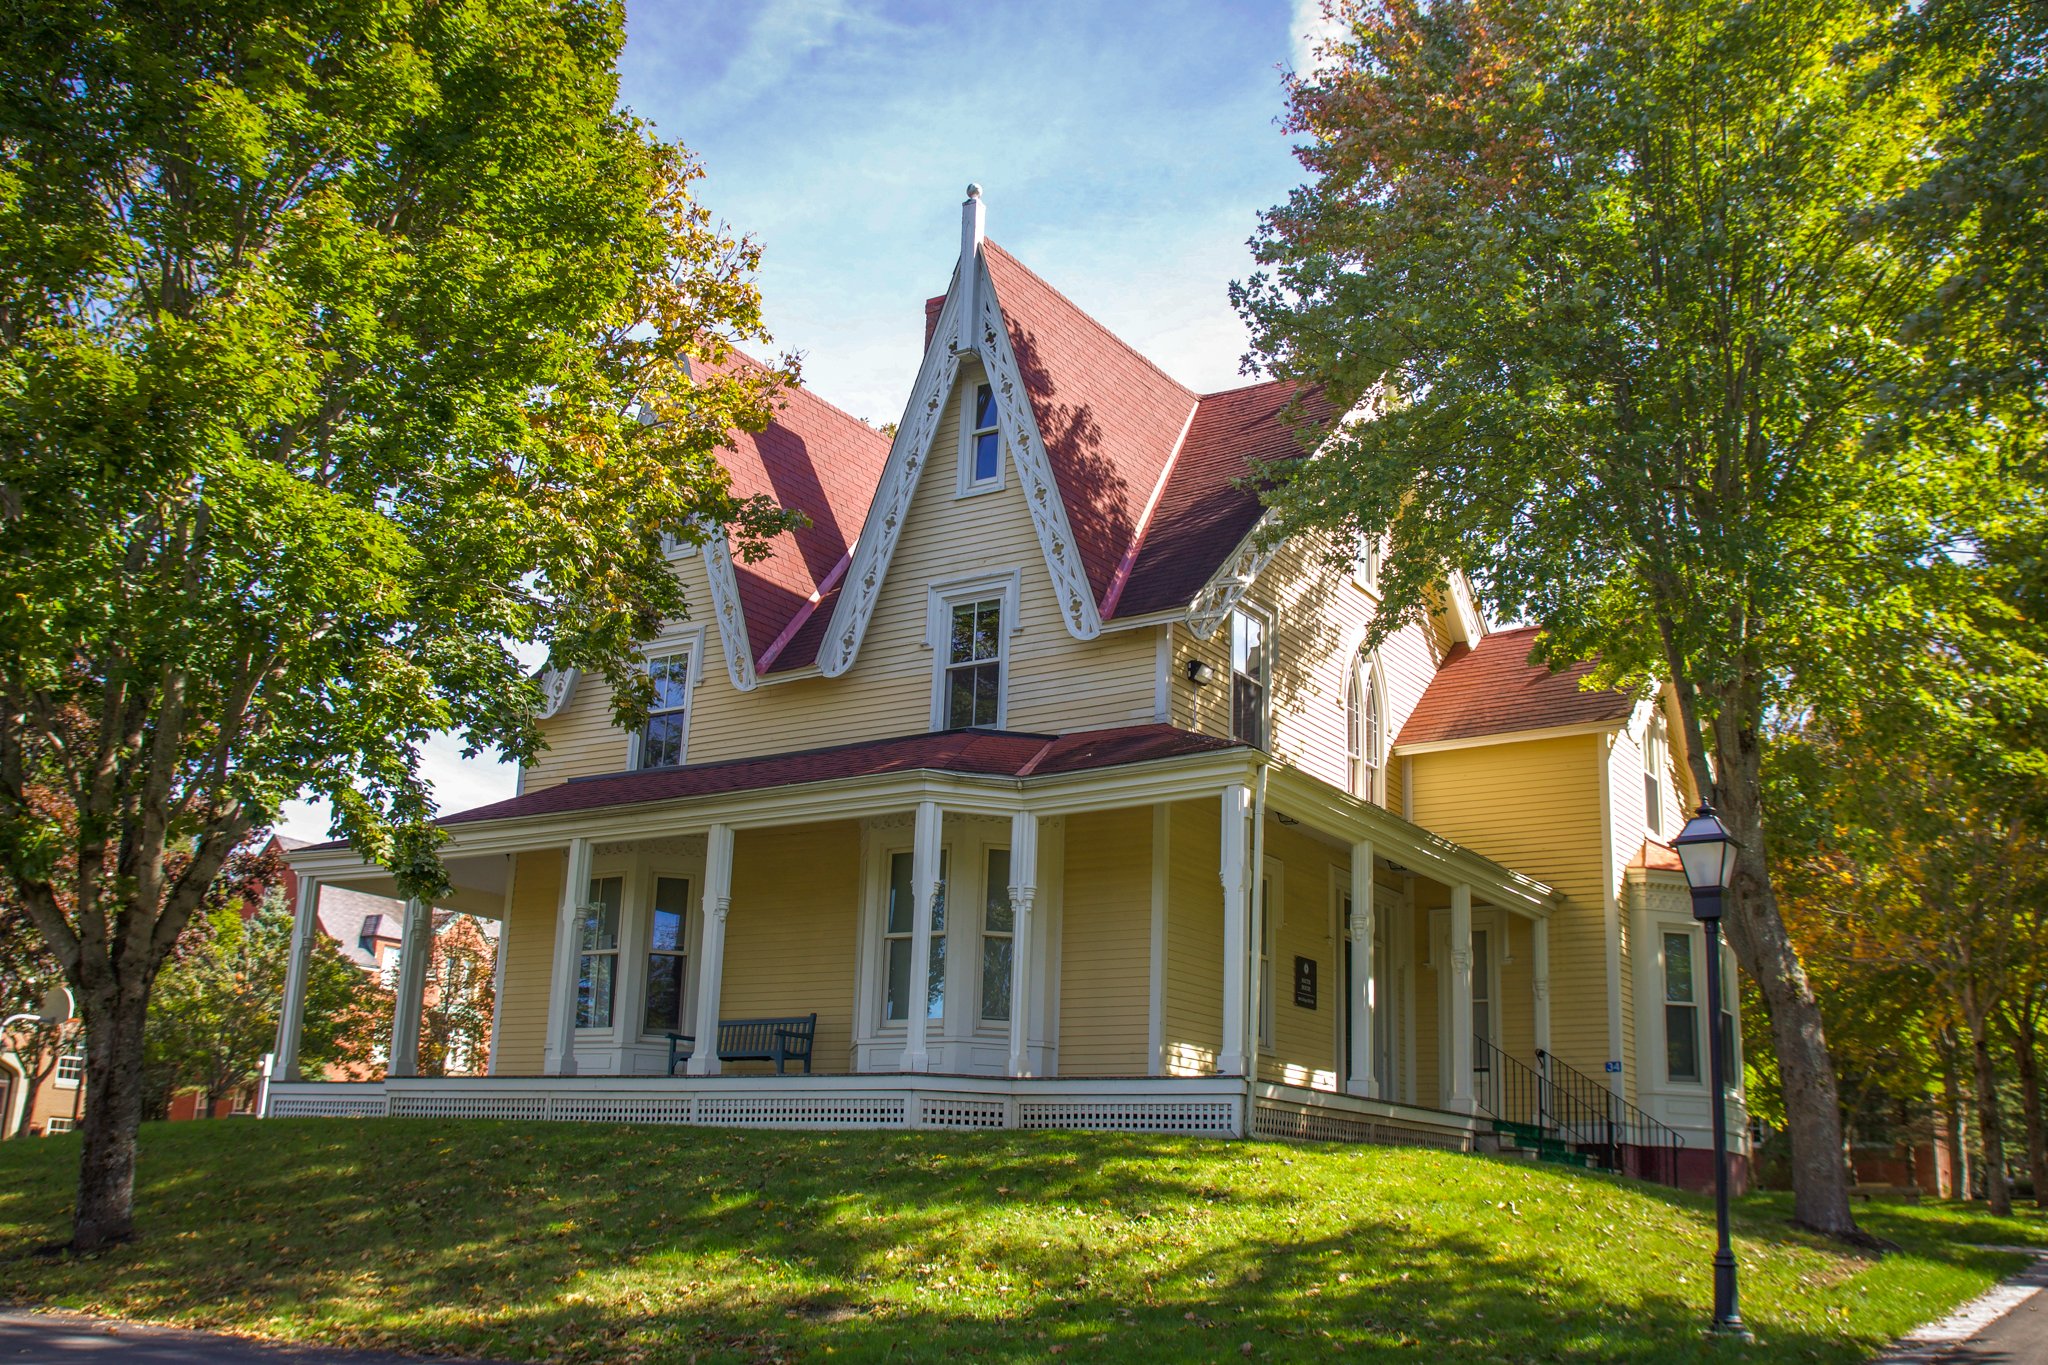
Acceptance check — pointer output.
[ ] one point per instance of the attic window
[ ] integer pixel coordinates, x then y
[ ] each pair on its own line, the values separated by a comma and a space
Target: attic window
664, 741
969, 626
981, 453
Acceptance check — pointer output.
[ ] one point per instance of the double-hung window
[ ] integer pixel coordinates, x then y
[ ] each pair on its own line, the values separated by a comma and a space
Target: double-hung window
1656, 760
667, 956
597, 952
968, 627
981, 452
898, 938
70, 1068
1365, 738
664, 741
1681, 1010
1249, 670
998, 939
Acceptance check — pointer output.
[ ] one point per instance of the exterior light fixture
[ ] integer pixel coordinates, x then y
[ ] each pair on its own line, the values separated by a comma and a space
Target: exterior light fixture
1707, 852
1200, 674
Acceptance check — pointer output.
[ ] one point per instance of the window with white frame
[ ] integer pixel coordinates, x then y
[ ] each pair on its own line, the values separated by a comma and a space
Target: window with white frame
55, 1126
972, 651
1656, 762
899, 927
664, 740
998, 939
667, 956
981, 447
1681, 1010
1482, 999
1250, 670
70, 1068
1365, 733
597, 952
1365, 562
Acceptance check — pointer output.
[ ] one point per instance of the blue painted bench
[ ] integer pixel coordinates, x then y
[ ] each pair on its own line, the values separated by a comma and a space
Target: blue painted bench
780, 1041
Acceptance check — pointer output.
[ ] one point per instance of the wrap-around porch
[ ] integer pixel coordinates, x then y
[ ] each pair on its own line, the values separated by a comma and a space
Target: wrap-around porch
1198, 943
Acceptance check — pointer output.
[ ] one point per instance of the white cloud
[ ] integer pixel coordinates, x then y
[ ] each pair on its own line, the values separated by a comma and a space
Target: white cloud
1310, 27
458, 783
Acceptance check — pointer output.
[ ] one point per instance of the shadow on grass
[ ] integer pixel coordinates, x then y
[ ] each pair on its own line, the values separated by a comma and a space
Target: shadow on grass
585, 1242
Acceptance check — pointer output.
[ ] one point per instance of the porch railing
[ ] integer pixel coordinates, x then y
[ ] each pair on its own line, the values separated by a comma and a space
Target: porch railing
1507, 1090
1618, 1135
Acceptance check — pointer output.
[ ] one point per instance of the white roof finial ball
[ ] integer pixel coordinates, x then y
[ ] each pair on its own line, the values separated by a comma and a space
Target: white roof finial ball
974, 191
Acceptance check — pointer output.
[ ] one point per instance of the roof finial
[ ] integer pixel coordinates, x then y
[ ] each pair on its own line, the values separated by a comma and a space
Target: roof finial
971, 216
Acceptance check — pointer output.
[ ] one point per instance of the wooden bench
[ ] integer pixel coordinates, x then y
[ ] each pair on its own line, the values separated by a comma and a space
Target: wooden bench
780, 1041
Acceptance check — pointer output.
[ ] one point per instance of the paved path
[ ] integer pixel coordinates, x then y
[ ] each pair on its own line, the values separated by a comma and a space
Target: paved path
67, 1339
2007, 1326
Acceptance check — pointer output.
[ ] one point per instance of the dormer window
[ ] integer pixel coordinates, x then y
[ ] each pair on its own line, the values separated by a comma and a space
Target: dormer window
981, 452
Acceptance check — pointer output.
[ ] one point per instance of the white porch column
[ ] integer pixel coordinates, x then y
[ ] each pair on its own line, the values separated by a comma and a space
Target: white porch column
561, 1049
926, 837
415, 955
711, 950
1364, 1027
1460, 1042
1237, 966
1023, 891
284, 1062
1539, 952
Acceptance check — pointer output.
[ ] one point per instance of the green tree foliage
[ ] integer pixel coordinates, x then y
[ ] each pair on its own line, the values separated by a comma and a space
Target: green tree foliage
347, 348
1619, 285
213, 1015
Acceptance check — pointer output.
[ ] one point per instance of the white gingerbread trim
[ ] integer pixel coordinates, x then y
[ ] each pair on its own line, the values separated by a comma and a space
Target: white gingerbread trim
725, 604
912, 452
557, 688
1034, 470
879, 533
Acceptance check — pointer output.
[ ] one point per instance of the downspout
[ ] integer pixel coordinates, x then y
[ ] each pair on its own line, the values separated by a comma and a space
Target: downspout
1255, 997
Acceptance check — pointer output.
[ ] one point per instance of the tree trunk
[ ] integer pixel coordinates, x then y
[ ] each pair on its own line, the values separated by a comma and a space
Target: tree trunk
1952, 1114
1756, 930
1990, 1126
2026, 1057
113, 1112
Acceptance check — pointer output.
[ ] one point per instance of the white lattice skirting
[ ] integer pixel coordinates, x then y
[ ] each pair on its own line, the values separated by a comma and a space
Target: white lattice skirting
814, 1104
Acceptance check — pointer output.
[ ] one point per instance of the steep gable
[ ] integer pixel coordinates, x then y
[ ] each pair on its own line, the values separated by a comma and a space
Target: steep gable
817, 460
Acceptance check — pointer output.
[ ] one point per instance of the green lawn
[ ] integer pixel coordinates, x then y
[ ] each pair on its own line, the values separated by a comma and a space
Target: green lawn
585, 1242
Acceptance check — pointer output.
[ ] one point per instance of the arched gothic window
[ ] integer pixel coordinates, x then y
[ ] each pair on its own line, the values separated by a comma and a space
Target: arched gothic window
1365, 735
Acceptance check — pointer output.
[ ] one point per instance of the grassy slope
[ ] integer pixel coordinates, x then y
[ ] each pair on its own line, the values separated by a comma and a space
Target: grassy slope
587, 1242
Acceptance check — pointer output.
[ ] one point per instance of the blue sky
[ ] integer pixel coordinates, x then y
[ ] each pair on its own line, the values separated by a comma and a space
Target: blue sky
1124, 149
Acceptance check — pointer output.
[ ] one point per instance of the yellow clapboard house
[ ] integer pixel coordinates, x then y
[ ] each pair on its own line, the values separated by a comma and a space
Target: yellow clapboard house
1029, 786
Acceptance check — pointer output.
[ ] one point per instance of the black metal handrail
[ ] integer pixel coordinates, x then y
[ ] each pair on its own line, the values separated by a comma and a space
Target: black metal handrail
1506, 1088
1620, 1136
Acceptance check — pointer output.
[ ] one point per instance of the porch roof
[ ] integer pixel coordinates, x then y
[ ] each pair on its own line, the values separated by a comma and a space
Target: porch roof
980, 753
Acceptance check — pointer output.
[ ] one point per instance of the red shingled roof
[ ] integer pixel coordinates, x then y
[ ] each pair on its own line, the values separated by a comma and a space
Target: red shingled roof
826, 464
1496, 690
1202, 512
992, 753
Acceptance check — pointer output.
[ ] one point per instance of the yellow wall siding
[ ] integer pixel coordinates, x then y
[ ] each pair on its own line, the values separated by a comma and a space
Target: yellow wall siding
528, 942
1319, 616
792, 939
1057, 684
1304, 1042
1628, 812
1192, 1021
1105, 943
1534, 805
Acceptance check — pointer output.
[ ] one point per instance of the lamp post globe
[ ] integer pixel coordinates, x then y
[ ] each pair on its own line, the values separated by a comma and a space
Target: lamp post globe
1707, 852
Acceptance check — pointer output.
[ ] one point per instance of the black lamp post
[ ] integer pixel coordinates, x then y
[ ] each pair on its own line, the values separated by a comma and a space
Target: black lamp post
1707, 852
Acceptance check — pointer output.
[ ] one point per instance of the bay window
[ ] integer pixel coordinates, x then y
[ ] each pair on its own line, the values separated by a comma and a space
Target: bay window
898, 930
667, 956
998, 939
